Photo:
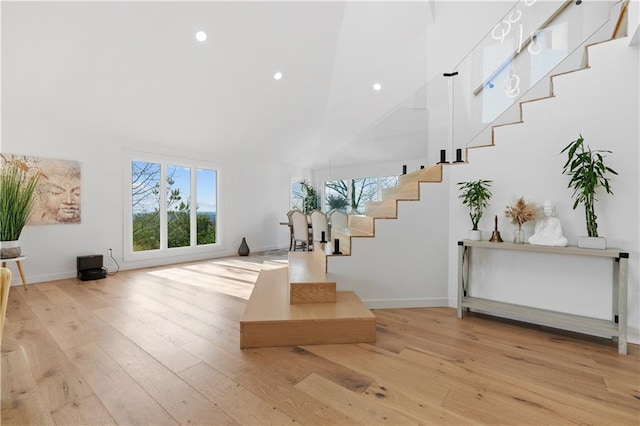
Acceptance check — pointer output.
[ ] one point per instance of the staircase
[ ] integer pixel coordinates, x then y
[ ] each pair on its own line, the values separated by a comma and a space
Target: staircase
300, 305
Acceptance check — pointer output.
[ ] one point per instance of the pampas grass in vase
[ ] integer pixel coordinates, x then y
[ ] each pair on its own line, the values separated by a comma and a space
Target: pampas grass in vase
520, 213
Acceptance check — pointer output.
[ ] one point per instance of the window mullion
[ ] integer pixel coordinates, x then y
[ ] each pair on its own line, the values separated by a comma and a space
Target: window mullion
164, 240
193, 232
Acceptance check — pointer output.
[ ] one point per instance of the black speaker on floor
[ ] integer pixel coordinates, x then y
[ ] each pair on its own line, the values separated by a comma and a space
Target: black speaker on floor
90, 267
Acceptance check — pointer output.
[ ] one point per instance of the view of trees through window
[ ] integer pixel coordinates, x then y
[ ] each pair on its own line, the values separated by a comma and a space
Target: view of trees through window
185, 187
350, 195
304, 197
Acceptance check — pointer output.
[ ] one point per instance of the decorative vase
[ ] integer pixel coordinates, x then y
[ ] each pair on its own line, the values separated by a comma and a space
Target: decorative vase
243, 250
475, 235
518, 236
10, 249
598, 243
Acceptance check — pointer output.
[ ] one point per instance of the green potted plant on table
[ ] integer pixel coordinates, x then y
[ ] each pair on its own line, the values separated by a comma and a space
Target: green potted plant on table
475, 195
17, 187
588, 172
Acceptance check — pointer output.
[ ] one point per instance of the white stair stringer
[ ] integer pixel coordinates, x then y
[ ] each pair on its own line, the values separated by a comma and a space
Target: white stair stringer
403, 265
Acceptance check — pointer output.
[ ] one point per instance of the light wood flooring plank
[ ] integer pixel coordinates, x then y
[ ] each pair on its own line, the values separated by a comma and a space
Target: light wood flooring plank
172, 356
17, 308
58, 382
296, 363
385, 368
22, 400
87, 411
78, 290
222, 361
125, 399
161, 346
422, 410
232, 398
542, 404
282, 394
356, 406
184, 403
167, 329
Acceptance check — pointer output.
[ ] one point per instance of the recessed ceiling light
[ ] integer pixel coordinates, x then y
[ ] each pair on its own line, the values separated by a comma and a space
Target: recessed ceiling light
278, 75
377, 87
201, 36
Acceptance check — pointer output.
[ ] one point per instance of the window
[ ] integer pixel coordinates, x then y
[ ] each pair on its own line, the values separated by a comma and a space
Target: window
388, 182
351, 195
297, 197
173, 206
336, 195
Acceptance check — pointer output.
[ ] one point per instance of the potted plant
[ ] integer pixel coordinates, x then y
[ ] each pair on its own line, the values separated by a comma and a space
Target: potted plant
310, 197
520, 213
588, 172
17, 187
475, 195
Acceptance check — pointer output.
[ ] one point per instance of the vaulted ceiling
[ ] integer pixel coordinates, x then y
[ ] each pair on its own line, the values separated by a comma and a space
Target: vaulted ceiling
135, 71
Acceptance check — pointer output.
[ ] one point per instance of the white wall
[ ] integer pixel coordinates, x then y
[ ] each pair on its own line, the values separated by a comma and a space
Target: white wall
254, 198
602, 104
405, 265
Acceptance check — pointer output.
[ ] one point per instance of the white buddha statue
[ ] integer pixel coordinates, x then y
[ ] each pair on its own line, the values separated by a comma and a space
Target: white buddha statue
548, 231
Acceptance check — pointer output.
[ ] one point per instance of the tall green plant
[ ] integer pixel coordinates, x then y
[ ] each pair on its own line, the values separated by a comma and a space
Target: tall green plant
475, 195
310, 199
588, 173
17, 187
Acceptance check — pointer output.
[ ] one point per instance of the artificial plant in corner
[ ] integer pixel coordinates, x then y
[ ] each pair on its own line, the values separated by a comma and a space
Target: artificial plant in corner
476, 195
310, 197
17, 187
588, 172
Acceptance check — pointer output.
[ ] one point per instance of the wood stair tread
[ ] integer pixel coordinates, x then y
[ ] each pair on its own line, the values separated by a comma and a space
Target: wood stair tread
270, 320
304, 268
348, 232
307, 278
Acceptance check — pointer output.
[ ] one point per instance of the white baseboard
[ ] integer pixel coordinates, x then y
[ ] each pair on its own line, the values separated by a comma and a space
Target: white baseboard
406, 303
124, 266
16, 281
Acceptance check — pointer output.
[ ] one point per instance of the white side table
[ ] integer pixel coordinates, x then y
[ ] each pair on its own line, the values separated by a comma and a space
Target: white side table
19, 265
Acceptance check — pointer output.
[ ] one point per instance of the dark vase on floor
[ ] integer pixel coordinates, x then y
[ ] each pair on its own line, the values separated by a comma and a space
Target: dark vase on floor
243, 250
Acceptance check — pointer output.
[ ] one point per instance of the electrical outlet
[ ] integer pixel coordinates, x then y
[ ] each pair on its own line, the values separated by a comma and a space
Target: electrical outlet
110, 253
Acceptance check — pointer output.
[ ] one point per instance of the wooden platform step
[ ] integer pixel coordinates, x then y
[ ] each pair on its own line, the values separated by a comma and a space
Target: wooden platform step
270, 320
308, 278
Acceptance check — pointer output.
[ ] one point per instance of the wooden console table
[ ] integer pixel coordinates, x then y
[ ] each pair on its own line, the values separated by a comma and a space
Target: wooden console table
616, 327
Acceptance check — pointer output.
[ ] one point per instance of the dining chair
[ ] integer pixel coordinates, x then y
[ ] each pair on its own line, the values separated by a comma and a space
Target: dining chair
339, 220
5, 283
300, 230
319, 224
289, 213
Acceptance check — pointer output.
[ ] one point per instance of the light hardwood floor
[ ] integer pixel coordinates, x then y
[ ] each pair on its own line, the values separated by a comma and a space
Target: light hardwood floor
160, 346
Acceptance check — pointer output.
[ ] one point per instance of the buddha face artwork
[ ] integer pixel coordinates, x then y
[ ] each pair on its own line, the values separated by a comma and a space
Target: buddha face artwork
57, 197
